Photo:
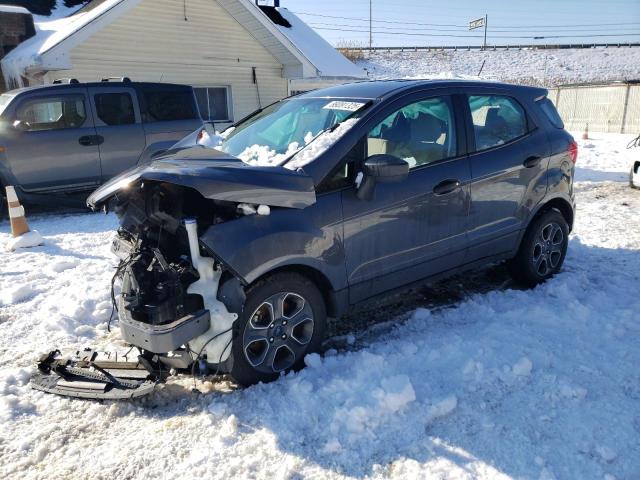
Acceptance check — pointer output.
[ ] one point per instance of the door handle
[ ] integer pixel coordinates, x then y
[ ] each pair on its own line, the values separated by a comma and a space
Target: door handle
532, 161
86, 140
445, 187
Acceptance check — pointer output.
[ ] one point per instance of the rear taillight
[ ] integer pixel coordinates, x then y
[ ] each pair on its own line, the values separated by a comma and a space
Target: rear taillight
201, 134
573, 151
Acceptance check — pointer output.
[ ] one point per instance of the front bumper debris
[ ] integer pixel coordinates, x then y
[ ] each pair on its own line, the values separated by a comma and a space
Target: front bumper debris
97, 375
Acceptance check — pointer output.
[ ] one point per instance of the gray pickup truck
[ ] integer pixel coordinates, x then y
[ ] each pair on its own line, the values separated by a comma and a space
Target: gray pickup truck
70, 137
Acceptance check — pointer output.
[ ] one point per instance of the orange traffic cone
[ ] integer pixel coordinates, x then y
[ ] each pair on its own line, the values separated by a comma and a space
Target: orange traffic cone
19, 224
585, 134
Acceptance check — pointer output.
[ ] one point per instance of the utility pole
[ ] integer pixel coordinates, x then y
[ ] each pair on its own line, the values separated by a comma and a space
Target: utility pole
370, 22
484, 44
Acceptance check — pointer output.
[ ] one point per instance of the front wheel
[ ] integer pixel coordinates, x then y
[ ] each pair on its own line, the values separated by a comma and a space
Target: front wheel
283, 319
542, 250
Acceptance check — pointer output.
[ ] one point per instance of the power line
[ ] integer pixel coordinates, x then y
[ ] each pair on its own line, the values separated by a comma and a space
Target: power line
466, 25
539, 37
319, 24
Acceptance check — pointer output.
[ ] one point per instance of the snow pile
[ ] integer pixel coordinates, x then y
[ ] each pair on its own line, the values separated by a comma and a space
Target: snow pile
26, 240
262, 155
547, 67
505, 383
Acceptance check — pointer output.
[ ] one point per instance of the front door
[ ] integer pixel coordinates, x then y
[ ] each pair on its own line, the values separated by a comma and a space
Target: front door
415, 228
53, 145
118, 123
508, 159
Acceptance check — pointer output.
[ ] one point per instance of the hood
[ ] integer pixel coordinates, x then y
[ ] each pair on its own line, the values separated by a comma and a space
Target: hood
217, 176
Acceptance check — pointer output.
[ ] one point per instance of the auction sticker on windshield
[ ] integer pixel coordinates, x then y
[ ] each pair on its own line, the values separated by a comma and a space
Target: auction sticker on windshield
348, 106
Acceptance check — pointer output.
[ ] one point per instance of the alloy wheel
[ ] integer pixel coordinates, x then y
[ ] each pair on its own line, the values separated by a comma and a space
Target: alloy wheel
278, 332
547, 249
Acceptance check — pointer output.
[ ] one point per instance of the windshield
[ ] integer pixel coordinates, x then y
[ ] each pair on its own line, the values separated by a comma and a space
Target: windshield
281, 130
4, 101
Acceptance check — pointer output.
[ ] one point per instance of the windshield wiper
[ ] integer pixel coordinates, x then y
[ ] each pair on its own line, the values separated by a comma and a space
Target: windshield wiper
332, 128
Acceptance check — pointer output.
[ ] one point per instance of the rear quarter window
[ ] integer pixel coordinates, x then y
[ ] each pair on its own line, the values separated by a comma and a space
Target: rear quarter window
550, 112
168, 104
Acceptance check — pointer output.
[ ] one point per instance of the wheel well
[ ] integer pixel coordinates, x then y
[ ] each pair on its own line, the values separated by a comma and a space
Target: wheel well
318, 278
561, 206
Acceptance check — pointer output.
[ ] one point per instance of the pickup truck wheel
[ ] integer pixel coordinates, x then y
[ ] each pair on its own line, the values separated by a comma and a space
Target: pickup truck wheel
283, 319
542, 250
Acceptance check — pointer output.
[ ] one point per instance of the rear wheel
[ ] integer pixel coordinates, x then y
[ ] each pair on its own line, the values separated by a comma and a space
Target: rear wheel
542, 250
283, 319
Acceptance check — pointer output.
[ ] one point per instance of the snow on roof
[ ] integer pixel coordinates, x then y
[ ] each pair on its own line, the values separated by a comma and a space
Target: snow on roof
327, 60
28, 56
49, 34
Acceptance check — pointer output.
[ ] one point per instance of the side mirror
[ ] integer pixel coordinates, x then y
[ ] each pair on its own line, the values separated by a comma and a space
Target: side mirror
381, 168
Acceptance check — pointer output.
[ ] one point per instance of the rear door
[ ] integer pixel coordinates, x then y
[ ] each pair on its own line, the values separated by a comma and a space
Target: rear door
169, 113
119, 126
53, 145
509, 157
415, 228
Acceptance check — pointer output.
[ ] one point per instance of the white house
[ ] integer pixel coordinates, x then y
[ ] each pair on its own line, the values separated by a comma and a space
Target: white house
238, 55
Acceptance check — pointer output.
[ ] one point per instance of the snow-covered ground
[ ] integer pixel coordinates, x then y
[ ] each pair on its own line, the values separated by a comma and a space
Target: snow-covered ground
537, 67
510, 383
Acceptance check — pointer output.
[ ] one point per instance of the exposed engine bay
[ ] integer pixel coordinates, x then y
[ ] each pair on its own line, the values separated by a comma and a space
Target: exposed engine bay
169, 305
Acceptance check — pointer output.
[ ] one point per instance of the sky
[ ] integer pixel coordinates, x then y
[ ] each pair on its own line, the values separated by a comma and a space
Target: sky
437, 23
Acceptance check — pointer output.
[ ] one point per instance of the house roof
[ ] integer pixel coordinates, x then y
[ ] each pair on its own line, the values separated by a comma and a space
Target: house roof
326, 59
296, 46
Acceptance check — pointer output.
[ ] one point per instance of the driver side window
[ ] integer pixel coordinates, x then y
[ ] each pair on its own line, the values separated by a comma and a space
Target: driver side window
52, 113
420, 133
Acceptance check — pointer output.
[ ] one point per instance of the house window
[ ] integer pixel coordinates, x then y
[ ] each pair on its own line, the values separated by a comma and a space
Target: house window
214, 103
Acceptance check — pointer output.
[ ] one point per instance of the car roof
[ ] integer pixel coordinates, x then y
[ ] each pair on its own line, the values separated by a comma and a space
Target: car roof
111, 84
379, 89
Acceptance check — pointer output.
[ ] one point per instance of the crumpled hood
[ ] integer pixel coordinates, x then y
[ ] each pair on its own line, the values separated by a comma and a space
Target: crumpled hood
217, 176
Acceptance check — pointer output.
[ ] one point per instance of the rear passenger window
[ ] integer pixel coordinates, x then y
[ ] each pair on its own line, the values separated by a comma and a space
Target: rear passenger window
420, 133
496, 120
169, 104
550, 111
115, 108
52, 113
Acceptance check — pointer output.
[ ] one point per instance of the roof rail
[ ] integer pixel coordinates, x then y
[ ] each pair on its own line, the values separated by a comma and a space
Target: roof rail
117, 79
66, 80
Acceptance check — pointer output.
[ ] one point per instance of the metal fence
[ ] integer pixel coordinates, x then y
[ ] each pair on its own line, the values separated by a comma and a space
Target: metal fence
611, 108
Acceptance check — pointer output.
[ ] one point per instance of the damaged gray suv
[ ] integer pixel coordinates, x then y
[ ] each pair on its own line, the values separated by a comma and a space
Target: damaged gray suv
236, 247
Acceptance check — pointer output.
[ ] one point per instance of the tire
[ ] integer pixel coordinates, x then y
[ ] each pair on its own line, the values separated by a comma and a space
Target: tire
542, 250
283, 319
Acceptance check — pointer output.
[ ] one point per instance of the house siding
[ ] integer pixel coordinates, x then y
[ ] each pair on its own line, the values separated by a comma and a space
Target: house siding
153, 42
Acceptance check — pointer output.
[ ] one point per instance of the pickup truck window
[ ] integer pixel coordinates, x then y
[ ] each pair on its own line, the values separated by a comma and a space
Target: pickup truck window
115, 108
52, 113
